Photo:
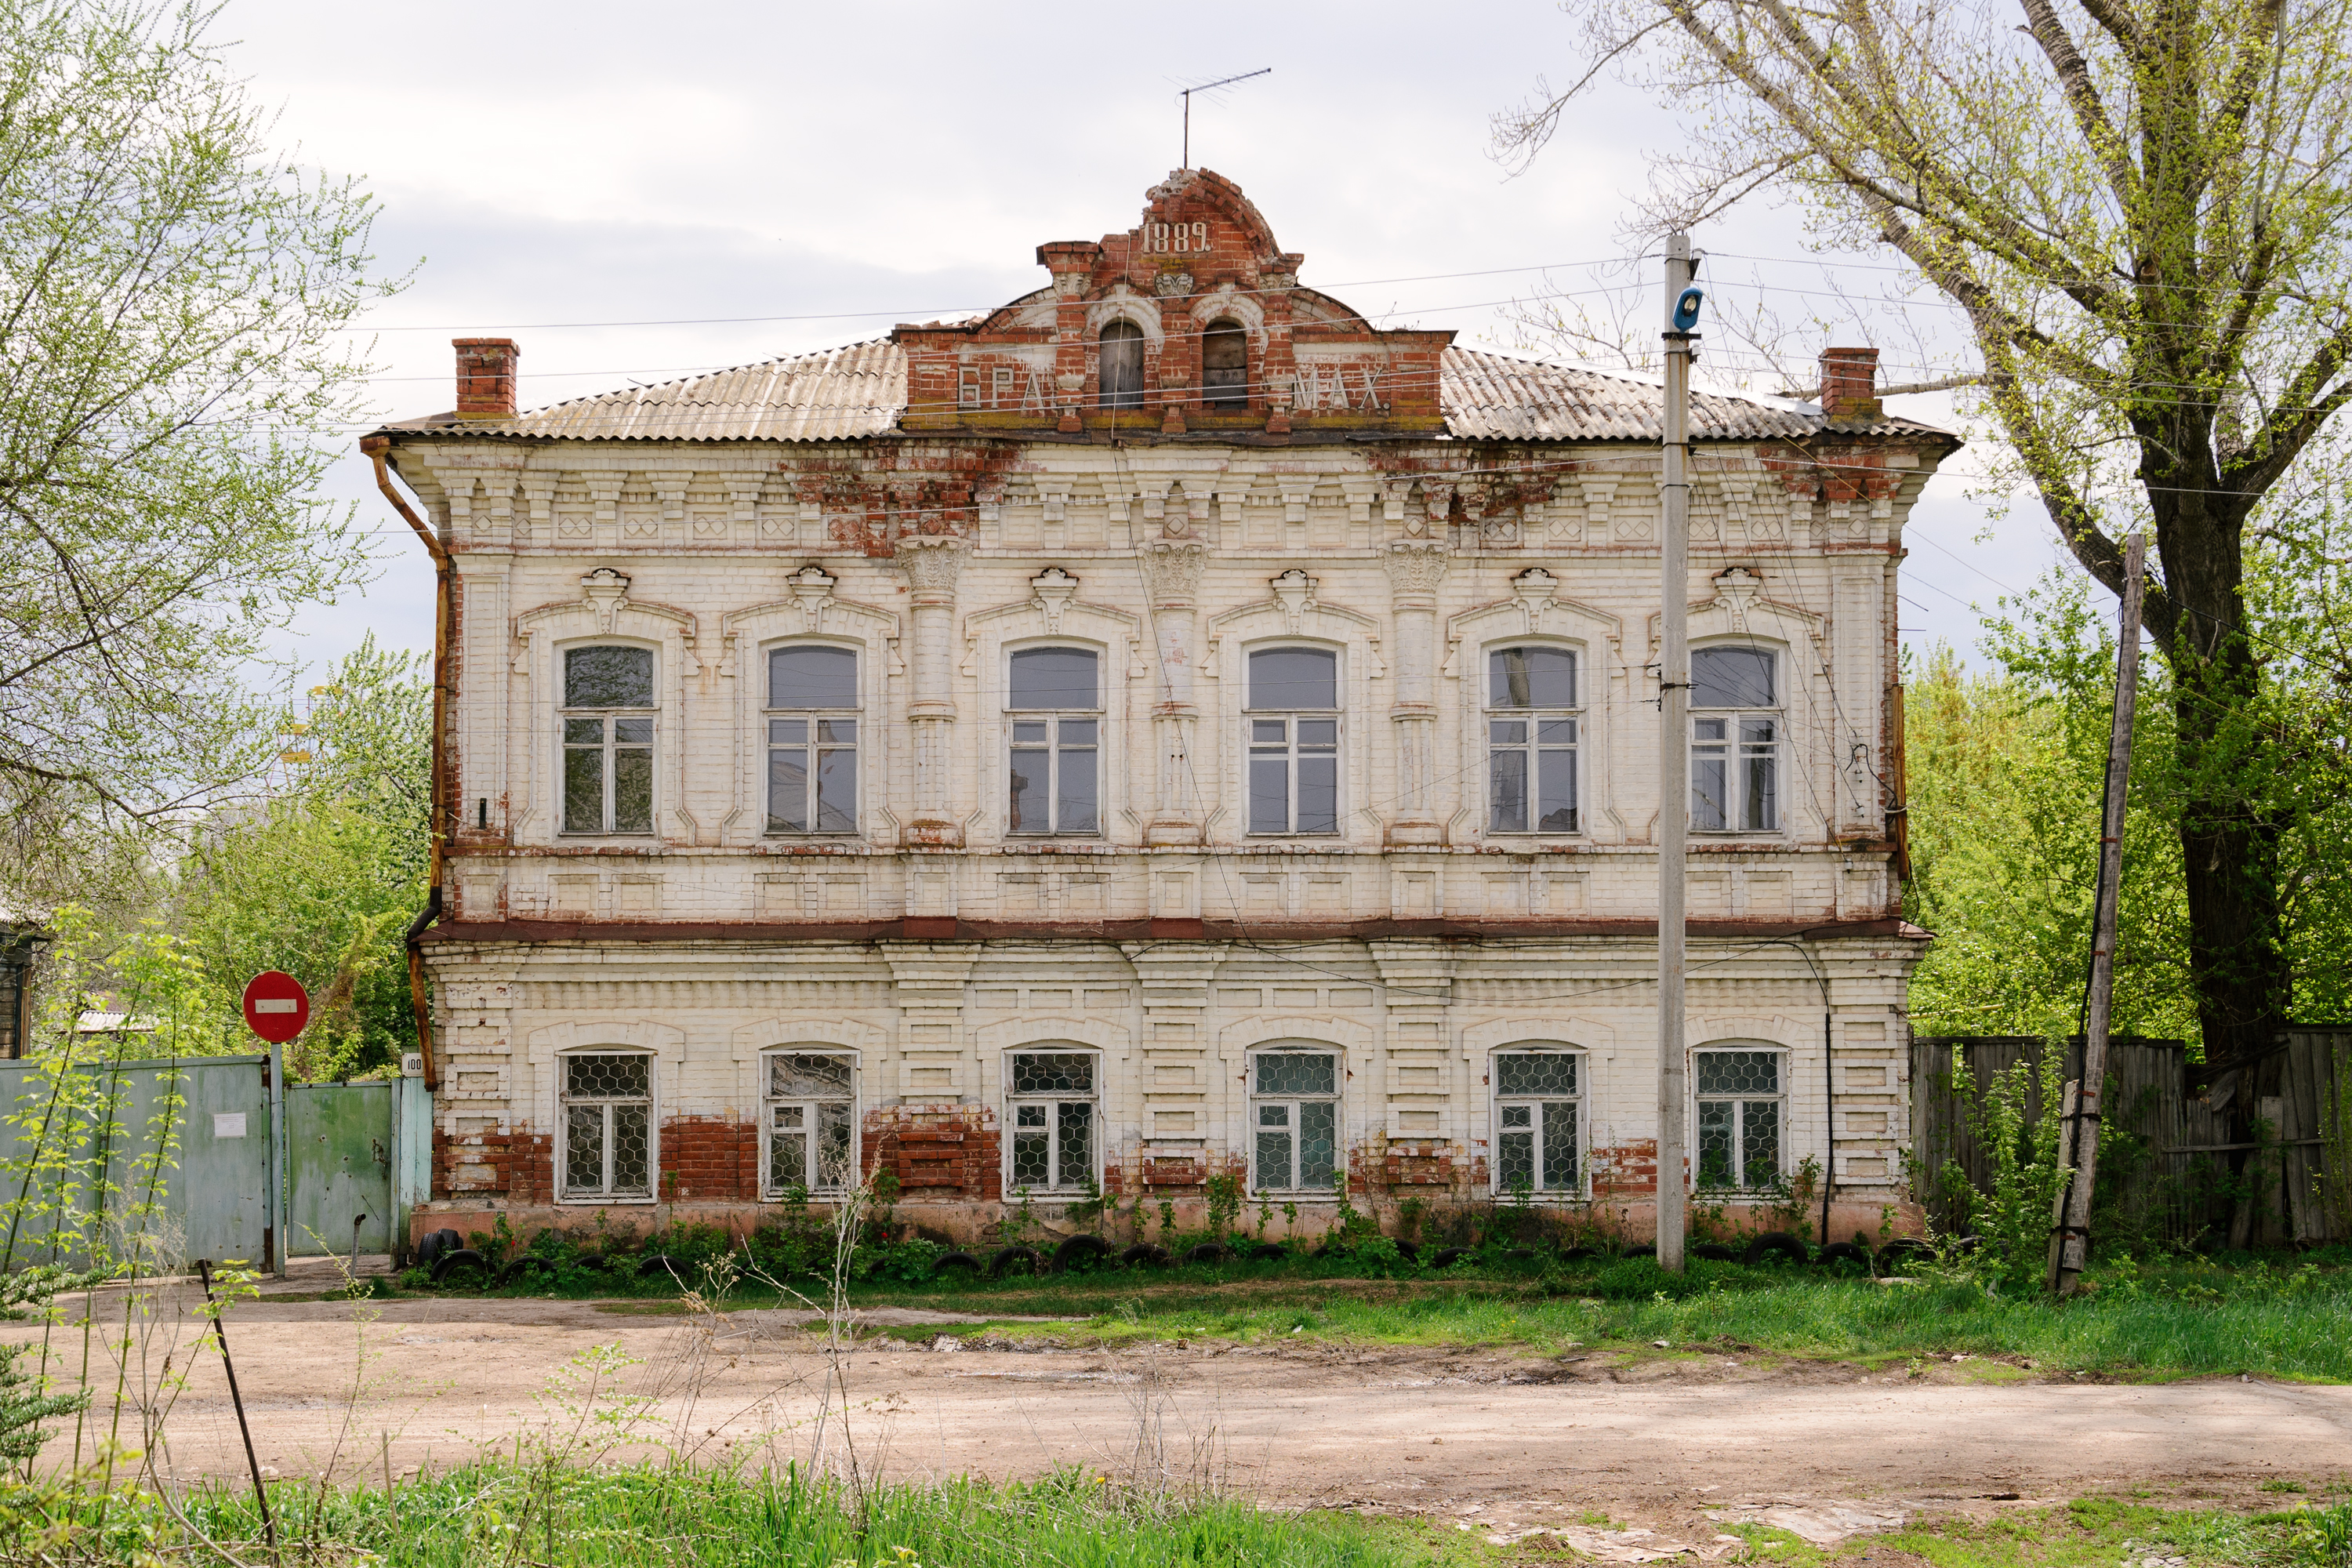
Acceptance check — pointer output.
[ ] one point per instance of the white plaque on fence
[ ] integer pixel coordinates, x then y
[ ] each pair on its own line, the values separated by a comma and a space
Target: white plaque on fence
228, 1123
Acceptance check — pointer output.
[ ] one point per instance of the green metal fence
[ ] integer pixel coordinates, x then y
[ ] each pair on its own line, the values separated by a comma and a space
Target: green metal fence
155, 1164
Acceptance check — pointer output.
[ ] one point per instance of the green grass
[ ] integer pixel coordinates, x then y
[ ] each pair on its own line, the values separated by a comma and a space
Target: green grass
2281, 1318
2089, 1532
505, 1514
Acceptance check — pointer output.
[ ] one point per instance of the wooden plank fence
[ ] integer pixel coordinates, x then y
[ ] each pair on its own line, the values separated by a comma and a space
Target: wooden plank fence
2170, 1176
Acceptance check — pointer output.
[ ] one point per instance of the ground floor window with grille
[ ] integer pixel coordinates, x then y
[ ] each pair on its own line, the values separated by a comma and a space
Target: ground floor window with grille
1740, 1115
1053, 1107
1295, 1112
608, 1122
812, 1122
1536, 1104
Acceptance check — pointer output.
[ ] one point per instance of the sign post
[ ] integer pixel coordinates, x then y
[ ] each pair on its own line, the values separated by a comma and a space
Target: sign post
276, 1008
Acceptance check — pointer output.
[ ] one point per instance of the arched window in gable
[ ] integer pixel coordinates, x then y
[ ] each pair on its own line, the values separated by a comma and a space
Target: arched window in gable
1122, 365
1224, 365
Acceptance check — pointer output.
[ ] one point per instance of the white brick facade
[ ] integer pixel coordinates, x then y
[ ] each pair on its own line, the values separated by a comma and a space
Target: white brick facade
928, 943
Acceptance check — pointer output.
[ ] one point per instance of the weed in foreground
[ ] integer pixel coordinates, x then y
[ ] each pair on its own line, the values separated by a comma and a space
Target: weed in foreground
719, 1518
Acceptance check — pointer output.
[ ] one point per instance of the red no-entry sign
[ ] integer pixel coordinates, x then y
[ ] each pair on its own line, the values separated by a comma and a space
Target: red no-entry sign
276, 1007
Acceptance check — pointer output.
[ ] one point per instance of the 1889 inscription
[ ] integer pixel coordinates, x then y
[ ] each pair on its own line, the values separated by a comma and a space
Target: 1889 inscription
1172, 238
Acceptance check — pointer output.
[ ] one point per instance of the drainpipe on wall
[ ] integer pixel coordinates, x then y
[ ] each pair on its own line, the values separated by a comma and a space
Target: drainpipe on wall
375, 447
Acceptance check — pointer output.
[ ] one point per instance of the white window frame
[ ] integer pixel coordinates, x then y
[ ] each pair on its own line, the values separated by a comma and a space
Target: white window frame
606, 717
770, 715
1575, 1102
772, 1118
1531, 745
1729, 746
1295, 1119
1059, 1182
1779, 1099
1290, 743
1052, 717
563, 1106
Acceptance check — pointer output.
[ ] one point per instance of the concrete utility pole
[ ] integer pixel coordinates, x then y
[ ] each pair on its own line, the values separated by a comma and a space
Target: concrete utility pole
2078, 1135
1673, 748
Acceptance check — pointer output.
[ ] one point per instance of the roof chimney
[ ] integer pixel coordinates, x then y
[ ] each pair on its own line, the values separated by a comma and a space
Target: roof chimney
1849, 383
485, 377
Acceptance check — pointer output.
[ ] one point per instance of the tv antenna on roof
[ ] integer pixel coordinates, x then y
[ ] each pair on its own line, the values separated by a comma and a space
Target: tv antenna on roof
1209, 87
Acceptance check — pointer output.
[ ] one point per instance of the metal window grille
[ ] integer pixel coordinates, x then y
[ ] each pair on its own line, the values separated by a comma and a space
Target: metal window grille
1740, 1107
811, 740
1054, 782
1538, 1108
1295, 1112
1053, 1107
1294, 741
608, 1140
1531, 740
811, 1123
607, 722
1735, 782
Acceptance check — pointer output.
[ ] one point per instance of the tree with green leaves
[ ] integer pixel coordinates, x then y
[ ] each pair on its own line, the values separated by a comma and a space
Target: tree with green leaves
318, 876
176, 366
2005, 766
2139, 210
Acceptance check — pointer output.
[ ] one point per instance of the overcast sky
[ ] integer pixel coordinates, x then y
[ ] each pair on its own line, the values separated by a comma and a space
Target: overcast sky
763, 179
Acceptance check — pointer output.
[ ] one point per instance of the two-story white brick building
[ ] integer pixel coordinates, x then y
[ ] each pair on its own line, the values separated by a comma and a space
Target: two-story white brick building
1166, 727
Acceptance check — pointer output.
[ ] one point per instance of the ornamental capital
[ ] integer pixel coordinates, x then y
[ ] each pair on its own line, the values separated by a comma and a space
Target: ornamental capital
931, 560
1172, 568
1416, 566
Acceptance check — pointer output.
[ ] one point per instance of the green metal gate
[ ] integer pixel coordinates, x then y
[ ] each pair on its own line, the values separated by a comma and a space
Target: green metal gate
338, 1149
162, 1163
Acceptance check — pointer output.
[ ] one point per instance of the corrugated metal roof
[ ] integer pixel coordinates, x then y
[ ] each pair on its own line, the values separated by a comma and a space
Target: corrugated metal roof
861, 390
1495, 398
842, 393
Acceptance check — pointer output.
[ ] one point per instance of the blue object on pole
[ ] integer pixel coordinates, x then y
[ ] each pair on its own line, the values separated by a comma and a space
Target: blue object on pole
1687, 310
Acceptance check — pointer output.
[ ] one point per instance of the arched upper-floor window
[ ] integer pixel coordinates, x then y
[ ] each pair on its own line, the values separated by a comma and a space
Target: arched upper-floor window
1122, 365
812, 721
1224, 364
1531, 739
1735, 721
1054, 785
608, 739
1294, 740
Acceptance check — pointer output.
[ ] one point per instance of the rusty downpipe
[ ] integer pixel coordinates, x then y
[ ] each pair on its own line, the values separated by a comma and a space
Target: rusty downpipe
376, 448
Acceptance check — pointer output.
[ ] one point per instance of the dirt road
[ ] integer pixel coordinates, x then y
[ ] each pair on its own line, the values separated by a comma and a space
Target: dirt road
1492, 1438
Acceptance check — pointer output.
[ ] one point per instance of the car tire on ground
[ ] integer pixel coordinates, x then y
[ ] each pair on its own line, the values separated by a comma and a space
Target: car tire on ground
1002, 1263
1780, 1242
463, 1258
1846, 1252
1079, 1250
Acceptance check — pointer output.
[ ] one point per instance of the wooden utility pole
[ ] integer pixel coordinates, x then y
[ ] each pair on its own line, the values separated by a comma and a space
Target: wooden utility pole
1674, 750
2078, 1134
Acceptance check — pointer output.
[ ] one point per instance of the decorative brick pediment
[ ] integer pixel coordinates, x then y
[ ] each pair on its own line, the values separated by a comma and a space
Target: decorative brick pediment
1226, 340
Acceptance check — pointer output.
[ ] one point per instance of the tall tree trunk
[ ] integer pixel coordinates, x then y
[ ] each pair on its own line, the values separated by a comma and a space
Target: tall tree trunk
2230, 847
